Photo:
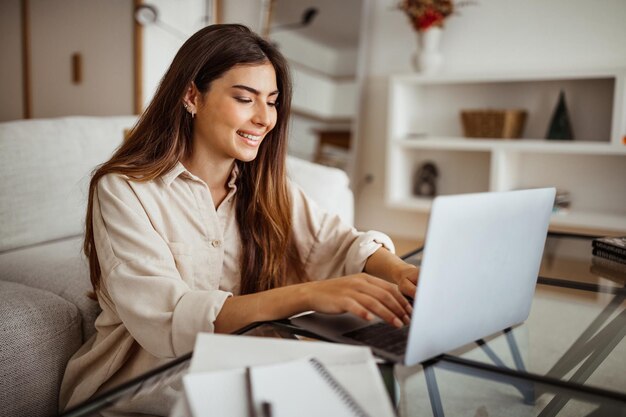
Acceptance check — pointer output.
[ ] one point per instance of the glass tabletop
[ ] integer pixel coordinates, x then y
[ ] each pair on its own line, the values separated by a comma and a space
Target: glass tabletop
567, 359
572, 342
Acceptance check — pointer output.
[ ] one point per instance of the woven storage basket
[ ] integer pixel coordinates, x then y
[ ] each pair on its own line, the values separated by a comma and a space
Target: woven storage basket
499, 124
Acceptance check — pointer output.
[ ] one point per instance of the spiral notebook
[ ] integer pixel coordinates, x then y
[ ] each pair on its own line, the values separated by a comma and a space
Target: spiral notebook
215, 384
303, 387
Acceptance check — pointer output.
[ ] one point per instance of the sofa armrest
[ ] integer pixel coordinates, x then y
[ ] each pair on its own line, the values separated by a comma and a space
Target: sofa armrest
59, 268
39, 332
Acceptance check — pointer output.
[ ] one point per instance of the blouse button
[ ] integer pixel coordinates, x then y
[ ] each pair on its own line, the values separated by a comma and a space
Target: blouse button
216, 243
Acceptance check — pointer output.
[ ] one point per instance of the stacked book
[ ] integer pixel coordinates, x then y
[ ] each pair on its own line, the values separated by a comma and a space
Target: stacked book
609, 257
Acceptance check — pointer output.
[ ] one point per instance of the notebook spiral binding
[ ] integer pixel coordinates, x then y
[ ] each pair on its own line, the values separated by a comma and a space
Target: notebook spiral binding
338, 388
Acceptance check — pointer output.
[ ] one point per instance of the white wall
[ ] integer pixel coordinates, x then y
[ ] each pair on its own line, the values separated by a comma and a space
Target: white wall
304, 51
332, 62
346, 62
324, 83
490, 36
302, 137
160, 45
11, 103
321, 96
324, 86
246, 12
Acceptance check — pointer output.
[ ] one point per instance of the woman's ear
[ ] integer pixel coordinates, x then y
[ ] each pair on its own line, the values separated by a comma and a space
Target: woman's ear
191, 99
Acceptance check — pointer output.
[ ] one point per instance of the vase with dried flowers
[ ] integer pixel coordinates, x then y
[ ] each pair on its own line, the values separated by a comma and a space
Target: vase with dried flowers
427, 17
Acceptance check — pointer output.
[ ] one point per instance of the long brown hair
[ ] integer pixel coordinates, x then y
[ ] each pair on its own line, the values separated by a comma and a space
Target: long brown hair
163, 136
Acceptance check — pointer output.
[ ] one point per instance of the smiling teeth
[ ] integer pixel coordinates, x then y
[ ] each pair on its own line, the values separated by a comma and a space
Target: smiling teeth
247, 136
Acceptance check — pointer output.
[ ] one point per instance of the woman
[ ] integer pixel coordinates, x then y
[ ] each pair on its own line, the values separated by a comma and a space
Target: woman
192, 225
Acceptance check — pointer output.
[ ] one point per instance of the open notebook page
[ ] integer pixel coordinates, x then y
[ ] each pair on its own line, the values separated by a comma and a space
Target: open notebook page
302, 387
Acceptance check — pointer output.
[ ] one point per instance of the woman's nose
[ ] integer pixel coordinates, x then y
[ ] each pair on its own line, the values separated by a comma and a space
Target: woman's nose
262, 115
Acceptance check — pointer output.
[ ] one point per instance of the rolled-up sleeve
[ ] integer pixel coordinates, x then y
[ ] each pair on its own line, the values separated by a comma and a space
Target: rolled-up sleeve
329, 247
140, 275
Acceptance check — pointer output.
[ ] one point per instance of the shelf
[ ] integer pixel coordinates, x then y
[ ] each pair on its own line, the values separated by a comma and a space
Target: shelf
599, 220
522, 145
432, 105
318, 117
483, 77
424, 126
412, 203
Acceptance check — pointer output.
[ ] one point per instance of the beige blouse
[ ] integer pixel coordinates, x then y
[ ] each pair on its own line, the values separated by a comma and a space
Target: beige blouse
169, 259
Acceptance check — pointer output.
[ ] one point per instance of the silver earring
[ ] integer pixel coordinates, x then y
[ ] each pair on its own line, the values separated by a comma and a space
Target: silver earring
188, 108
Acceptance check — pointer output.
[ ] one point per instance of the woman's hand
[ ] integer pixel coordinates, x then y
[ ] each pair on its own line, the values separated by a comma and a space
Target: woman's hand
406, 277
388, 266
362, 295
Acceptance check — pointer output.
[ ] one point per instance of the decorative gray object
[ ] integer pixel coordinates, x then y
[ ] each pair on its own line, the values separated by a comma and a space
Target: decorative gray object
425, 180
560, 126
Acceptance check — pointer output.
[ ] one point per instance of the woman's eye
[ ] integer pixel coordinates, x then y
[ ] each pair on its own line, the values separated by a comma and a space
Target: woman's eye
243, 99
272, 104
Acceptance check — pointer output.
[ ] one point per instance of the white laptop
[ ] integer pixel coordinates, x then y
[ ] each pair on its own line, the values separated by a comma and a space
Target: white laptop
478, 275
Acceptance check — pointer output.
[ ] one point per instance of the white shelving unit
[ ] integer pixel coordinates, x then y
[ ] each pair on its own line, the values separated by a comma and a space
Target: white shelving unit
424, 124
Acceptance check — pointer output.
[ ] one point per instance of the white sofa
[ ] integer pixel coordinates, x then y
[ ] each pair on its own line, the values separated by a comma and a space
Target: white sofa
45, 314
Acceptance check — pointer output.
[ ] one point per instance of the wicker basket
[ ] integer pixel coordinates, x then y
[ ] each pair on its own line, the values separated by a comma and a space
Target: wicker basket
497, 124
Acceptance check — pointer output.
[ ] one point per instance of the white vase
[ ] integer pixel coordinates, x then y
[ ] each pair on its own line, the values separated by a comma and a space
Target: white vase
429, 59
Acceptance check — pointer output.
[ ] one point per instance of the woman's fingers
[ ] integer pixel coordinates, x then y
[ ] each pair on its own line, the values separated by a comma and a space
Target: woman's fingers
407, 288
412, 274
391, 299
394, 291
362, 295
354, 307
379, 309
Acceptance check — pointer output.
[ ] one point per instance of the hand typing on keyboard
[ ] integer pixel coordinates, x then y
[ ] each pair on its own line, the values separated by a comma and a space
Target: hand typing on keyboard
360, 294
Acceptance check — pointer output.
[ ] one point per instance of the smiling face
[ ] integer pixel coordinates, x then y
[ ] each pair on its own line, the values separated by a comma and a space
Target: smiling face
235, 114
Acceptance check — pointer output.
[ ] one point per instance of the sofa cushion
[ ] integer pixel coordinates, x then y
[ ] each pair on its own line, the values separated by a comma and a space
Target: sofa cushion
328, 187
45, 168
57, 267
39, 332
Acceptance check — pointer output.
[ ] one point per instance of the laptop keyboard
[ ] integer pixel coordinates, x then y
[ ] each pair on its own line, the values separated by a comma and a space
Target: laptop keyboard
383, 336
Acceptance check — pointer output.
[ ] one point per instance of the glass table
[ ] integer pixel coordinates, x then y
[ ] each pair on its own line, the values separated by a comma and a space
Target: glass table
567, 359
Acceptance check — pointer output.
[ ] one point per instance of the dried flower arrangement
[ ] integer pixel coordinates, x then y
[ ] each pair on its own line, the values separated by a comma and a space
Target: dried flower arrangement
425, 14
